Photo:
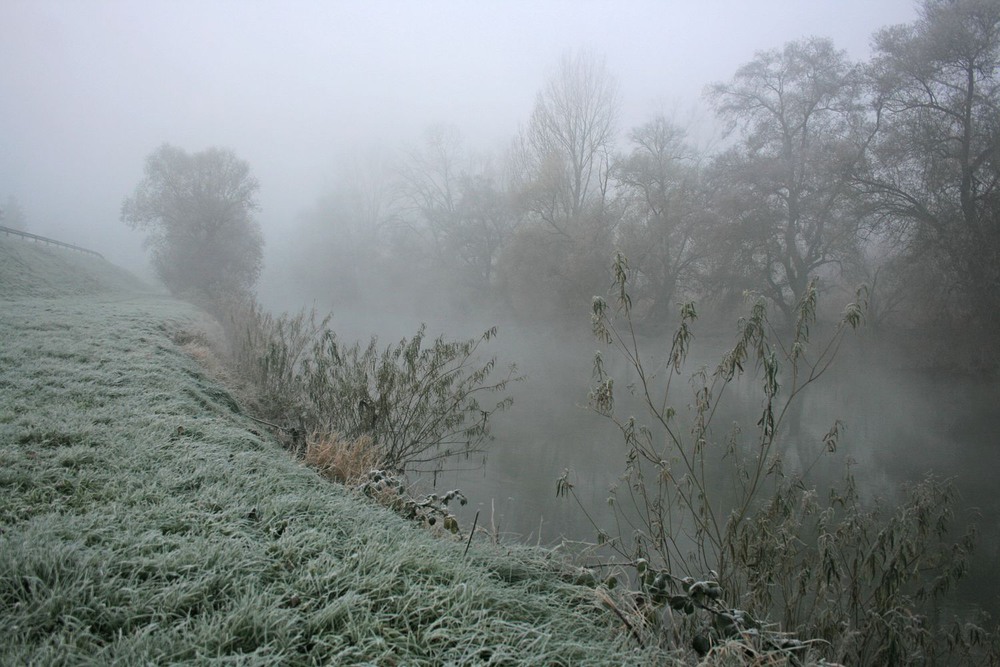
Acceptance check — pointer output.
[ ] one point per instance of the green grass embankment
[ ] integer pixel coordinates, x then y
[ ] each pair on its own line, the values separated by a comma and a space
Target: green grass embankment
144, 520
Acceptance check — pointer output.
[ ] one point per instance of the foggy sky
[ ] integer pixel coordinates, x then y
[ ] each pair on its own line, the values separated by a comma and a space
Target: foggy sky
88, 89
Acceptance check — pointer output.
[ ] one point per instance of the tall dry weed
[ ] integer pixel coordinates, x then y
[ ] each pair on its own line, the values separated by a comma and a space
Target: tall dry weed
859, 582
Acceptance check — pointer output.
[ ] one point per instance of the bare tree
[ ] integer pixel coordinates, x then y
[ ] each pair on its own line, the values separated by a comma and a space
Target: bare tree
666, 216
561, 165
346, 237
458, 211
486, 219
786, 187
567, 147
429, 185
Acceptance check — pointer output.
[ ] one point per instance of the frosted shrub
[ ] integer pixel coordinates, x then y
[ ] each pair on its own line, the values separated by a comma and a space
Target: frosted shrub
420, 402
763, 554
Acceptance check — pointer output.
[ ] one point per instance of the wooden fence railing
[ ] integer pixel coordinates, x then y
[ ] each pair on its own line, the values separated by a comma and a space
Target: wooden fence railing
42, 239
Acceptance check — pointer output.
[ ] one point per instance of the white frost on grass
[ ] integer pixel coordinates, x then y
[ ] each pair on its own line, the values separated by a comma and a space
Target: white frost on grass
142, 521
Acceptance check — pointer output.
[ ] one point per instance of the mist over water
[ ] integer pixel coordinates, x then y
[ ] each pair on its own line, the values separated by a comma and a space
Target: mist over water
901, 424
899, 427
410, 171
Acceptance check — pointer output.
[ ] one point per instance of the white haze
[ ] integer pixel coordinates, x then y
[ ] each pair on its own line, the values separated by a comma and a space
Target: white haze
88, 89
300, 89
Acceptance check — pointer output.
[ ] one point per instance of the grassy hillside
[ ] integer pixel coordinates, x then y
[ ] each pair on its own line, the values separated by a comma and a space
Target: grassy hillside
144, 520
29, 269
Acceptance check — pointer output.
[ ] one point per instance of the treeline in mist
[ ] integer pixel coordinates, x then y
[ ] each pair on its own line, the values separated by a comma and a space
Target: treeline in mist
885, 172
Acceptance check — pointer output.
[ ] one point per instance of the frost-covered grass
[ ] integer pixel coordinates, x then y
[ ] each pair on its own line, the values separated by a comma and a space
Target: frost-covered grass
28, 268
144, 520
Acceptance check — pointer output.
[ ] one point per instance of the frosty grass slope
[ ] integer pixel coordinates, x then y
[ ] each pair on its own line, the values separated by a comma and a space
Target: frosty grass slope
144, 520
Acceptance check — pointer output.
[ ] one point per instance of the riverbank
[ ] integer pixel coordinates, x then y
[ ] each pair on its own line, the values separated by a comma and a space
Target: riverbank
144, 519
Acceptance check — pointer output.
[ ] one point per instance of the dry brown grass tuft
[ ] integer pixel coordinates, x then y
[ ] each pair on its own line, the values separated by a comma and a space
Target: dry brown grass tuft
344, 461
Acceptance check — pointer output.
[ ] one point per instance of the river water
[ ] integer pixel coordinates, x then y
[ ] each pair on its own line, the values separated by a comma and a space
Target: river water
899, 426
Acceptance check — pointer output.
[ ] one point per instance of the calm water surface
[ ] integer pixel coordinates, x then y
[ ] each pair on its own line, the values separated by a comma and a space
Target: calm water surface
900, 426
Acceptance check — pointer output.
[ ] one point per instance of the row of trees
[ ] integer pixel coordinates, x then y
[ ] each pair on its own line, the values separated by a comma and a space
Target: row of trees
885, 171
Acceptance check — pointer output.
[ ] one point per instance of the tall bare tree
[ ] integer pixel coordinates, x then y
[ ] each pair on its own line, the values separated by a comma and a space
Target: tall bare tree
786, 186
345, 238
561, 165
429, 185
487, 219
566, 149
458, 211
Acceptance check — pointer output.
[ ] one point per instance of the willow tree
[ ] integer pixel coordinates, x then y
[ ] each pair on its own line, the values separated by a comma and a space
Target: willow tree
198, 212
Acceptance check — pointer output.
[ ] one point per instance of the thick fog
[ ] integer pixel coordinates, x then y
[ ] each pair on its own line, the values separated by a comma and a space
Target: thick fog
89, 89
318, 97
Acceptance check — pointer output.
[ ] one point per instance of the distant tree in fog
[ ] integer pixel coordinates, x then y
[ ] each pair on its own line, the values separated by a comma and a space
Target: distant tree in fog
344, 244
12, 215
566, 150
561, 166
429, 185
785, 189
459, 210
488, 219
666, 218
935, 167
197, 209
